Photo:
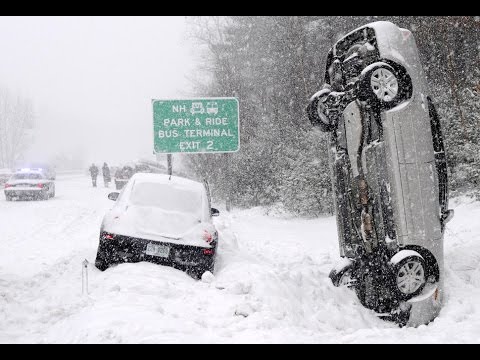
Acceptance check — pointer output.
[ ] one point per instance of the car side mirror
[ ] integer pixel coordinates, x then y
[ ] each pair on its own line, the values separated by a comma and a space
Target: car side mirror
113, 196
214, 212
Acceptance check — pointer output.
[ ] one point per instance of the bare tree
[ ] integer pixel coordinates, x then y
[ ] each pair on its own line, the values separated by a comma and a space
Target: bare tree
16, 119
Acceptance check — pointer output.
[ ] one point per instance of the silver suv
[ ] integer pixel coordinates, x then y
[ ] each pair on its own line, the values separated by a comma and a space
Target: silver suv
389, 172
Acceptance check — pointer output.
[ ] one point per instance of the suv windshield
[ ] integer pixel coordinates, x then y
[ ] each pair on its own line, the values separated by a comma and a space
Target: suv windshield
167, 197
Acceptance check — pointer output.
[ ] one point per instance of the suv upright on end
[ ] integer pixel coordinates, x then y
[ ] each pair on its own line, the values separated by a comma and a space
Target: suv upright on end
389, 172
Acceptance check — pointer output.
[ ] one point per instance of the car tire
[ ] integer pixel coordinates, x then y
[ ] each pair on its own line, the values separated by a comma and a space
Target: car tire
101, 264
208, 267
383, 85
341, 277
318, 113
197, 271
8, 198
409, 275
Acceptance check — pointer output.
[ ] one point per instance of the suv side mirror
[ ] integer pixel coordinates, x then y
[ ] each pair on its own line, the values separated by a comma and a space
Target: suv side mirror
113, 196
214, 212
447, 216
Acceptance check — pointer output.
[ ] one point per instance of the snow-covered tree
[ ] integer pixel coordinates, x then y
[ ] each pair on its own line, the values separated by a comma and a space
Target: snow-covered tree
274, 64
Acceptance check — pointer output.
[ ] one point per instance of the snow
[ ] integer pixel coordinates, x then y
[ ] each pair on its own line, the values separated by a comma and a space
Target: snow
382, 28
402, 255
159, 225
31, 179
162, 208
342, 264
270, 284
353, 55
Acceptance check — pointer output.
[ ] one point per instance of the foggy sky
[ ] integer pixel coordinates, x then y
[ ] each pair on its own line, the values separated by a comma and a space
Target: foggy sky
91, 79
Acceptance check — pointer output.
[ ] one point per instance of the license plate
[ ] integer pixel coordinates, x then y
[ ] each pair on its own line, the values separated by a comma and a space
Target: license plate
157, 250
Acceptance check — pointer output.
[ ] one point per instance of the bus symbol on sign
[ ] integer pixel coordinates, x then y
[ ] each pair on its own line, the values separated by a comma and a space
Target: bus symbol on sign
212, 107
197, 108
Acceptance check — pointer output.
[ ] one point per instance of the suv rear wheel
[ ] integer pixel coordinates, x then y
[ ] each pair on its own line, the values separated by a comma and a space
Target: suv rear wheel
384, 86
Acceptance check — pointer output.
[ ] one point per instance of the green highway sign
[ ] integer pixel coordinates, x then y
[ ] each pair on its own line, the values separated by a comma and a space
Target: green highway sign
196, 125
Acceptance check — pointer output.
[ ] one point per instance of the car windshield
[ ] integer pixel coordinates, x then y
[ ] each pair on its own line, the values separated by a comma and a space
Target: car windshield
167, 197
27, 176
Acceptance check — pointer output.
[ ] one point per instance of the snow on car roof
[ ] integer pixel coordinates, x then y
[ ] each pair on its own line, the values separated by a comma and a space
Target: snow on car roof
29, 171
393, 42
167, 193
167, 179
379, 27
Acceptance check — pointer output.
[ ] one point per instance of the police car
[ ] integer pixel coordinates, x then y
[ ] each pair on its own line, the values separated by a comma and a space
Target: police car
29, 183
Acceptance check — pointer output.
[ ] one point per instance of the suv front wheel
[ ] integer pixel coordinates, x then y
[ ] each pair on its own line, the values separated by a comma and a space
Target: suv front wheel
409, 274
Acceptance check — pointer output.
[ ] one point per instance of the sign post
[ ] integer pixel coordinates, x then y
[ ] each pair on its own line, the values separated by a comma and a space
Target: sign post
85, 276
196, 126
169, 163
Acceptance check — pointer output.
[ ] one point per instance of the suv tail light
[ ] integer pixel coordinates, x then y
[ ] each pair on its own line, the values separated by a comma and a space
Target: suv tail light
40, 186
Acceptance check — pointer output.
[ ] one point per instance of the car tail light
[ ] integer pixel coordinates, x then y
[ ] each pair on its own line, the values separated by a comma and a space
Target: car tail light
108, 236
7, 186
207, 236
207, 251
40, 186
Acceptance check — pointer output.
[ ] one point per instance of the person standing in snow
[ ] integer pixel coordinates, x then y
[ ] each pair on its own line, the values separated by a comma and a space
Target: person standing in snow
93, 173
106, 174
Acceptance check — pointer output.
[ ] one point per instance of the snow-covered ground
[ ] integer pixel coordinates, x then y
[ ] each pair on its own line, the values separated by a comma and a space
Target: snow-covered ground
270, 284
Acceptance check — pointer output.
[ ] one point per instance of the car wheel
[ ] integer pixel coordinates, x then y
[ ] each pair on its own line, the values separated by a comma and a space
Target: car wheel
101, 264
207, 267
197, 271
342, 276
409, 275
317, 111
8, 197
194, 272
346, 278
383, 85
